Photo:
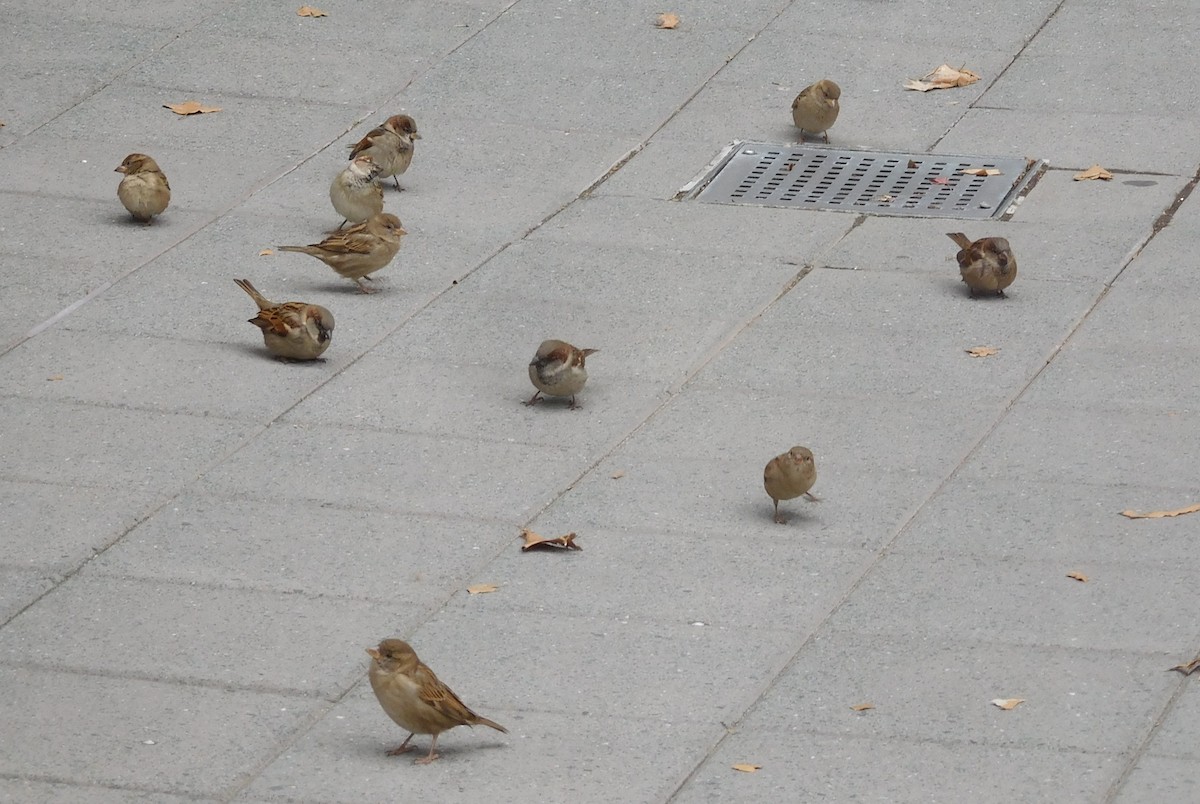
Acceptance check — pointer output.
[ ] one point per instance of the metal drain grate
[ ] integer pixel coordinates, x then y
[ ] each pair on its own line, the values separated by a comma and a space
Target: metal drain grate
870, 182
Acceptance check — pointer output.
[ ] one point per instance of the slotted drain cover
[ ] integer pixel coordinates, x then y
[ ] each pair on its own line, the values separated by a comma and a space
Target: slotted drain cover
870, 182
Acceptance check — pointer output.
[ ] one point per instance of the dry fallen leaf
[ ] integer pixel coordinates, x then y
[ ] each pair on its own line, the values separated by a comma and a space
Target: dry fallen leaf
266, 252
564, 542
190, 107
617, 475
1094, 172
939, 180
746, 767
1079, 576
944, 77
982, 351
863, 707
1191, 509
55, 378
981, 172
886, 198
1189, 668
1008, 703
481, 588
309, 11
913, 164
667, 20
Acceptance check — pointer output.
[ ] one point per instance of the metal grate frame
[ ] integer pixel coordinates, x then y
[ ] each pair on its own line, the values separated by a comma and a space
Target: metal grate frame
865, 182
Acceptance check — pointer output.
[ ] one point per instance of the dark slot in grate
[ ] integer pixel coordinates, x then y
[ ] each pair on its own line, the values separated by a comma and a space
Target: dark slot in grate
870, 182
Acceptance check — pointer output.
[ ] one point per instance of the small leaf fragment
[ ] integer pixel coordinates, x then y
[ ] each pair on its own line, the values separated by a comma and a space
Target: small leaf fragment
1189, 668
564, 542
55, 378
1079, 576
943, 77
913, 164
981, 171
617, 475
1008, 703
1094, 172
266, 252
982, 351
746, 767
481, 588
939, 180
862, 707
1191, 509
667, 20
309, 11
886, 198
190, 107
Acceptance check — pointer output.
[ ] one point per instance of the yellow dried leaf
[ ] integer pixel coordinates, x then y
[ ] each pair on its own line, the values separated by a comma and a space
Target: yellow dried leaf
481, 588
55, 378
943, 77
190, 107
266, 252
982, 172
617, 475
667, 20
309, 11
1008, 703
982, 351
1094, 172
1191, 509
1189, 668
1079, 576
862, 707
745, 767
564, 542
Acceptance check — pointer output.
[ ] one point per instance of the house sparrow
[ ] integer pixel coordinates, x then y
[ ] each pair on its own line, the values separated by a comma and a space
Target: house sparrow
292, 330
788, 476
987, 265
816, 107
558, 369
354, 193
413, 696
391, 145
360, 250
144, 191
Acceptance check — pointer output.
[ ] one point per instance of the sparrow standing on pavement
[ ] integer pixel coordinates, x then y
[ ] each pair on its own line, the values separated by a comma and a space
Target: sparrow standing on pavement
788, 476
292, 330
360, 250
558, 369
391, 145
987, 265
354, 193
413, 696
144, 191
816, 107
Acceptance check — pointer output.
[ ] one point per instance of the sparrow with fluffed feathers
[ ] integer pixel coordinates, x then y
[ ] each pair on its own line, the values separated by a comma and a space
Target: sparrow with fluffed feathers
354, 193
415, 699
789, 475
816, 108
558, 369
292, 330
144, 190
987, 265
391, 145
360, 250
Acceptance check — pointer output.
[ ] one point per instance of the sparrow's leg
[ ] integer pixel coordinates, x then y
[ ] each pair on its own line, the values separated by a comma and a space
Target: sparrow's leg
431, 756
533, 398
400, 749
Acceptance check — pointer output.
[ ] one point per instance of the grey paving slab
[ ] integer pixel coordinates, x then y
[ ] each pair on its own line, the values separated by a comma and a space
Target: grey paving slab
139, 735
941, 690
735, 581
18, 791
414, 561
399, 471
20, 588
1160, 779
643, 758
804, 766
183, 632
148, 452
1120, 608
1172, 738
1158, 266
54, 528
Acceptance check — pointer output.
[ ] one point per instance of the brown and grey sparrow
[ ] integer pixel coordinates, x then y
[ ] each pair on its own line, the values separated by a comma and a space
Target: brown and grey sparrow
788, 476
987, 265
354, 193
292, 330
558, 369
413, 696
391, 145
816, 108
360, 250
144, 191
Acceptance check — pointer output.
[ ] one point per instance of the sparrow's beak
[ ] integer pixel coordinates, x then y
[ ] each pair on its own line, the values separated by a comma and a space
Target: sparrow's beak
119, 169
403, 231
373, 653
416, 135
